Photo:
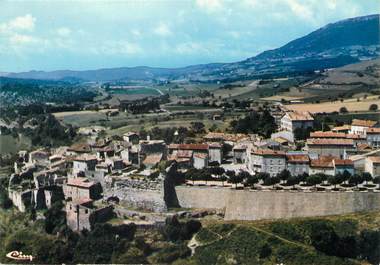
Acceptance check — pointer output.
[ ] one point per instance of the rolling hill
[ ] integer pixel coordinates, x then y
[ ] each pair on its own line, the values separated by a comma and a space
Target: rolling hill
334, 45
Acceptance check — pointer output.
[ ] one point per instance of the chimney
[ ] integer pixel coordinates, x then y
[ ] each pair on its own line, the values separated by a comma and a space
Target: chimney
148, 137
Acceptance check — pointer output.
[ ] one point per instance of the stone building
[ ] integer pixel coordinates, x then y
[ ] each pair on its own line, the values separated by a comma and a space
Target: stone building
83, 214
240, 153
373, 137
200, 160
84, 163
372, 165
131, 137
330, 147
293, 120
81, 188
297, 164
215, 153
361, 126
269, 161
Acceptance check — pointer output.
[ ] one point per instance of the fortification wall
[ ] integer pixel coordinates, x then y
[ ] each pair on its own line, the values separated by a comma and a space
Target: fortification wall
202, 197
260, 205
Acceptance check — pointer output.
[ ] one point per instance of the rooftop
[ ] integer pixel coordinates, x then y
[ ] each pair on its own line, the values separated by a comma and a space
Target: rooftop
297, 158
320, 134
268, 152
324, 141
373, 131
363, 123
80, 182
299, 116
85, 157
374, 159
152, 159
189, 146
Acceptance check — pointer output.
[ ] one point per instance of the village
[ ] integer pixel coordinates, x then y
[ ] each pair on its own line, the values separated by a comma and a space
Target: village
106, 177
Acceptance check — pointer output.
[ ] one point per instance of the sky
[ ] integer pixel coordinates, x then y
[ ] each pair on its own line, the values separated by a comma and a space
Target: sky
83, 34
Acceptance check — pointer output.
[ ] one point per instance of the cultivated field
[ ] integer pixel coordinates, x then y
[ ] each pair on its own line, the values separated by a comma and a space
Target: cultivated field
350, 104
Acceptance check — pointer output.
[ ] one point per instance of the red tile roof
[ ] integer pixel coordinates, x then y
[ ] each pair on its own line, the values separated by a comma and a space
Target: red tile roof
80, 182
297, 158
363, 123
299, 116
324, 141
268, 152
320, 134
374, 159
189, 146
373, 131
343, 162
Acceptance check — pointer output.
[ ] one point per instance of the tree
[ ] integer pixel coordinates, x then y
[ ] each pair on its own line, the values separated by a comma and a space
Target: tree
263, 176
355, 179
235, 178
252, 180
293, 180
223, 178
313, 180
272, 181
376, 180
198, 127
335, 180
345, 176
366, 177
244, 175
302, 178
343, 110
373, 107
284, 175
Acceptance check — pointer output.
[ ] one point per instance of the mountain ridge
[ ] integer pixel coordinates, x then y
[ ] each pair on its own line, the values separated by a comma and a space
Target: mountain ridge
336, 44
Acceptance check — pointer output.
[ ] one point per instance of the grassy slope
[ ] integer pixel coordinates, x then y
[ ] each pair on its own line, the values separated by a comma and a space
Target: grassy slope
247, 242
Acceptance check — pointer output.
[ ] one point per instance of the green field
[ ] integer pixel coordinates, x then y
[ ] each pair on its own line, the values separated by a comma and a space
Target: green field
136, 91
9, 144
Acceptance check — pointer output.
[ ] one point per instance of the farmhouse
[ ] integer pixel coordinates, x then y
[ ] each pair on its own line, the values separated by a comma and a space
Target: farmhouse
131, 137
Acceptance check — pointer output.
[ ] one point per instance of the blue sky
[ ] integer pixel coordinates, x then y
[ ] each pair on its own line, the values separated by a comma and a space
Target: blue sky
78, 35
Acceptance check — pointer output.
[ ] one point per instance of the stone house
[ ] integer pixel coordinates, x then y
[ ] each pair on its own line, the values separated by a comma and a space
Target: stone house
84, 163
361, 126
293, 120
39, 157
373, 137
200, 160
322, 165
240, 153
83, 214
372, 165
330, 147
297, 164
81, 188
131, 137
341, 165
269, 161
215, 153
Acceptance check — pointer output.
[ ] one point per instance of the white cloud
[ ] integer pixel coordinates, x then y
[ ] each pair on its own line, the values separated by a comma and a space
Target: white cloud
21, 23
136, 32
190, 48
20, 39
163, 30
117, 48
209, 5
63, 31
302, 11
